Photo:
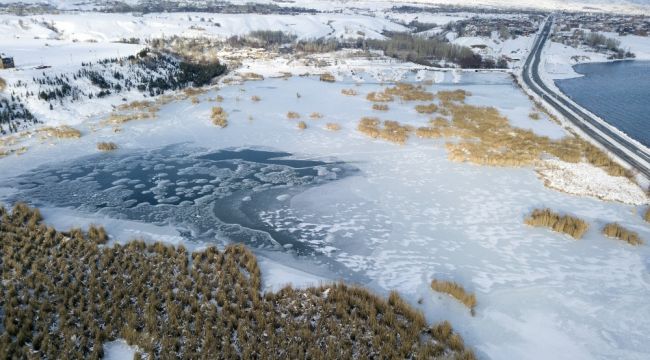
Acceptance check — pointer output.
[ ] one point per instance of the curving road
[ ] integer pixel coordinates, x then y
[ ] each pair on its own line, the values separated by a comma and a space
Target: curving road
612, 141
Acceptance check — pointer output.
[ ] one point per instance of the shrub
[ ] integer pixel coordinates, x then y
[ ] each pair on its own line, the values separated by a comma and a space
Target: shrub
302, 125
566, 224
426, 109
456, 291
333, 126
106, 146
293, 115
349, 92
380, 107
615, 230
327, 77
200, 74
219, 117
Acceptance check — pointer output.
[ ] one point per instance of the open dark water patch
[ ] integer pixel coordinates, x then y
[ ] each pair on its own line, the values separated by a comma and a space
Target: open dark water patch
209, 195
618, 92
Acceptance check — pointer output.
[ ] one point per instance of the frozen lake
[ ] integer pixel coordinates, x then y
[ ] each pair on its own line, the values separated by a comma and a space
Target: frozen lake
339, 205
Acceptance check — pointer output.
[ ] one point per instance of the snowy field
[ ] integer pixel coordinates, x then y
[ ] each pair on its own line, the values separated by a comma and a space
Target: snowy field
337, 205
406, 216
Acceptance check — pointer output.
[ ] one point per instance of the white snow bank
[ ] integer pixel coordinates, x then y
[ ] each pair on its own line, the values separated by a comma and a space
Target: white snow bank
586, 179
118, 350
275, 276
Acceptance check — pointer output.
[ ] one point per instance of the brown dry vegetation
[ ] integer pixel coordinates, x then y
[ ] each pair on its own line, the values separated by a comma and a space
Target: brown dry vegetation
106, 146
293, 115
566, 224
64, 294
456, 291
646, 217
349, 92
534, 116
409, 92
487, 138
333, 126
302, 125
379, 97
426, 109
219, 117
61, 132
616, 231
389, 130
327, 77
251, 76
380, 107
316, 116
255, 98
3, 84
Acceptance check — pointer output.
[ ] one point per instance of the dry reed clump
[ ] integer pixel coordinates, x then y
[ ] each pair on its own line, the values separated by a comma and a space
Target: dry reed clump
487, 138
444, 334
3, 84
380, 107
426, 109
293, 115
409, 92
333, 126
251, 76
106, 146
219, 117
195, 100
116, 119
136, 105
456, 291
349, 92
169, 302
566, 224
379, 97
426, 132
192, 91
327, 77
646, 217
616, 231
302, 125
534, 116
391, 131
316, 116
256, 98
61, 132
458, 95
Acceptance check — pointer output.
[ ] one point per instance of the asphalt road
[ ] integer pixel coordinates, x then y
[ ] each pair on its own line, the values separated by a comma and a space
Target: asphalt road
613, 142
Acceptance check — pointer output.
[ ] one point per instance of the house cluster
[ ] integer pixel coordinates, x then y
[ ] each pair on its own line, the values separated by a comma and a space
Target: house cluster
622, 25
505, 27
6, 62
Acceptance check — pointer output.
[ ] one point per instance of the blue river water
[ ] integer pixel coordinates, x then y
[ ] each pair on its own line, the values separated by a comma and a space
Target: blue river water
618, 92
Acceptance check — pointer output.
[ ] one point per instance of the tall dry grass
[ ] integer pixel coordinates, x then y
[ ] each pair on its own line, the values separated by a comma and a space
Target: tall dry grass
456, 291
327, 77
302, 125
3, 84
316, 116
566, 224
616, 231
106, 146
426, 109
646, 217
333, 126
219, 117
293, 115
349, 92
61, 132
379, 97
380, 107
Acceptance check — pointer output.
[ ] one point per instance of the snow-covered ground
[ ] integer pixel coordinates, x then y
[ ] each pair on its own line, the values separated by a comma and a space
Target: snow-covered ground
406, 216
411, 215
